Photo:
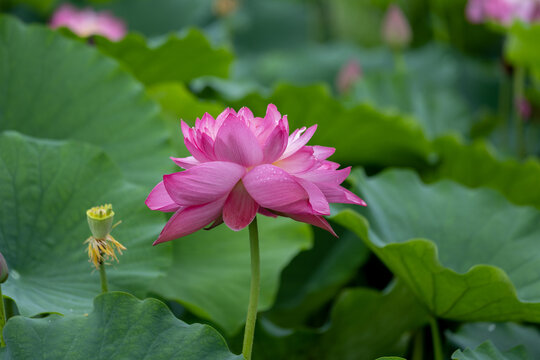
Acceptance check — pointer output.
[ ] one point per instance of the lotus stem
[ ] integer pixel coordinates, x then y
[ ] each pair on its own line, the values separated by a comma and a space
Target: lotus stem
436, 339
254, 290
2, 318
103, 276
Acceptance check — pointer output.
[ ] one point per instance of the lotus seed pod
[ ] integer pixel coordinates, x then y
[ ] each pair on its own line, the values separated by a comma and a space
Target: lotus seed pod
100, 220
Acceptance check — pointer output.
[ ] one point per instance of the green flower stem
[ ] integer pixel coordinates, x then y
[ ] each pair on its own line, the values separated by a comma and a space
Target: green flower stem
418, 345
254, 290
400, 65
436, 339
2, 318
519, 91
103, 276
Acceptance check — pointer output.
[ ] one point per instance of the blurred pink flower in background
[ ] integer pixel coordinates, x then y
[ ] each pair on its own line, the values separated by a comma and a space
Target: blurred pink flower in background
87, 22
348, 75
396, 30
241, 165
503, 11
524, 108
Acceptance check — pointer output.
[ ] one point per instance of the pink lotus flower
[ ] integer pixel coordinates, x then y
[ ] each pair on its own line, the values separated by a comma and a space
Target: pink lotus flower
243, 165
87, 22
502, 11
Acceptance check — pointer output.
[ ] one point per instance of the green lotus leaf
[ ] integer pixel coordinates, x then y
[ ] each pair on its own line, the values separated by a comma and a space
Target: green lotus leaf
360, 323
315, 276
47, 186
178, 103
211, 270
476, 165
358, 328
504, 336
158, 17
119, 327
57, 88
467, 254
487, 351
437, 109
174, 58
386, 139
521, 47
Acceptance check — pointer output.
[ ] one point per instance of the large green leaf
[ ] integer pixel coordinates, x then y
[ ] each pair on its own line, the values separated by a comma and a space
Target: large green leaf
364, 324
476, 165
178, 103
487, 351
210, 274
53, 87
119, 327
47, 186
504, 336
522, 45
172, 59
315, 276
158, 17
365, 135
467, 254
438, 110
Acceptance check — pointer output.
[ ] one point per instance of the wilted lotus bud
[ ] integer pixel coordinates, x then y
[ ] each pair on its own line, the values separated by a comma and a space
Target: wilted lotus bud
101, 245
396, 30
348, 75
4, 271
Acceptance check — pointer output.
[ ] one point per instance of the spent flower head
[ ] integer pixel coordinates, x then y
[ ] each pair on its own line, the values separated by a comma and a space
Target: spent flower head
102, 246
87, 22
242, 165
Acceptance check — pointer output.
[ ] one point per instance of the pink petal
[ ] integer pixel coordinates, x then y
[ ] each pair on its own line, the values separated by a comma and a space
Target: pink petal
322, 152
190, 219
317, 200
272, 187
297, 207
186, 163
318, 221
203, 183
240, 208
301, 161
335, 177
159, 199
298, 139
195, 151
338, 194
223, 116
245, 114
272, 114
186, 130
206, 144
275, 144
329, 165
236, 143
266, 212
